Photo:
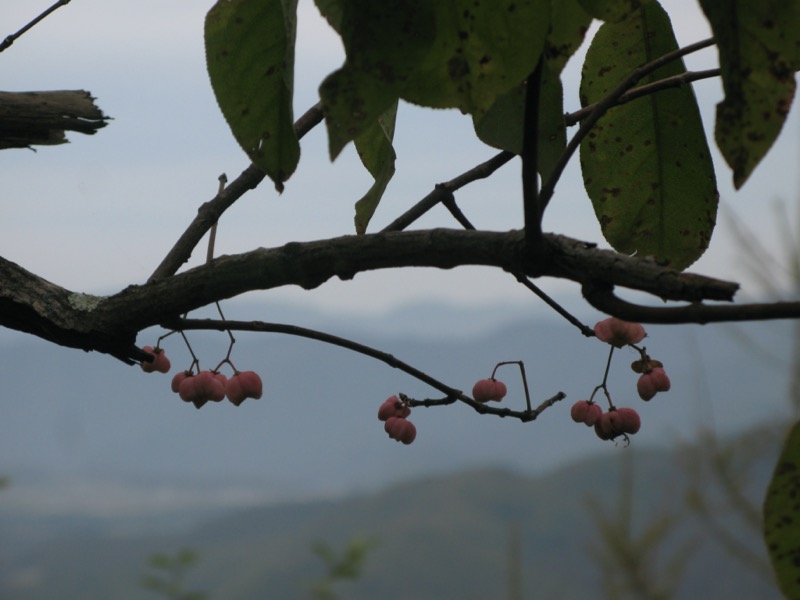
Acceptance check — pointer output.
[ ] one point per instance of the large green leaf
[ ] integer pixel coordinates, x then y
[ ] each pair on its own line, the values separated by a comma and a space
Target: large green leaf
375, 149
445, 54
646, 164
569, 23
612, 10
782, 517
481, 50
250, 60
502, 125
759, 52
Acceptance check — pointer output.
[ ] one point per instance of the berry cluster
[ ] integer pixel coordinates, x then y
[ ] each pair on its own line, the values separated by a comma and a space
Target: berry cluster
394, 412
213, 386
621, 421
607, 425
206, 386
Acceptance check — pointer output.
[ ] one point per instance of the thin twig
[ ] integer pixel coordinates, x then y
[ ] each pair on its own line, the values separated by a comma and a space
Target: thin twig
210, 212
440, 191
584, 329
10, 39
260, 326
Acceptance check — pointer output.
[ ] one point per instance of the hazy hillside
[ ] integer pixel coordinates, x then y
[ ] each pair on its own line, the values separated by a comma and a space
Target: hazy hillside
442, 537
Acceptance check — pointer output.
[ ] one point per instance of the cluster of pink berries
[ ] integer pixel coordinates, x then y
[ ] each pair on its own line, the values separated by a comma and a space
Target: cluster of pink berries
622, 421
206, 386
607, 425
214, 387
394, 412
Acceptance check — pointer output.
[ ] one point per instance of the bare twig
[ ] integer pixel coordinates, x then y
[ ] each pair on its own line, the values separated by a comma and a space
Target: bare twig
210, 212
451, 393
10, 39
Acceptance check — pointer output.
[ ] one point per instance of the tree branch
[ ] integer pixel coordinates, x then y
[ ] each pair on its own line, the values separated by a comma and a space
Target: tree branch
602, 297
109, 324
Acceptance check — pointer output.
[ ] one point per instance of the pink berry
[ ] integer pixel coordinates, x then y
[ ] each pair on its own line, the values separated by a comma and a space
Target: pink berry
243, 385
159, 363
209, 386
586, 412
653, 381
489, 389
400, 429
593, 414
179, 377
630, 420
618, 333
190, 391
393, 407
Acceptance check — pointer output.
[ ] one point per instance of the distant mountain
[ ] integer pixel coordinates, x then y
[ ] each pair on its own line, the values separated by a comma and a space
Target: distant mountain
436, 537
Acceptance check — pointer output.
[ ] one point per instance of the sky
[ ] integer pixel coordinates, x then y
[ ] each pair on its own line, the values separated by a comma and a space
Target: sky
100, 213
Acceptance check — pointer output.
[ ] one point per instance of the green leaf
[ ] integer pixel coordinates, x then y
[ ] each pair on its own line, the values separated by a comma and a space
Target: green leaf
782, 517
446, 54
646, 164
250, 60
759, 52
375, 149
502, 125
569, 23
612, 10
481, 50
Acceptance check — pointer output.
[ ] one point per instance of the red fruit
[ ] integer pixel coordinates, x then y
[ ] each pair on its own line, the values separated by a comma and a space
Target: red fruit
579, 410
400, 429
179, 377
489, 389
209, 386
159, 363
652, 382
618, 333
190, 391
393, 407
243, 385
586, 412
629, 419
593, 414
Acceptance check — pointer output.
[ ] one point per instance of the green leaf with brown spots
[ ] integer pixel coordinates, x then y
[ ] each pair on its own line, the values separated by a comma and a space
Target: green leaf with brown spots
612, 10
759, 52
375, 149
250, 61
568, 25
446, 54
646, 164
782, 516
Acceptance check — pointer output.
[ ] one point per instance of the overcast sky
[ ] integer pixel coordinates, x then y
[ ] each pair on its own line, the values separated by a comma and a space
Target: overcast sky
100, 213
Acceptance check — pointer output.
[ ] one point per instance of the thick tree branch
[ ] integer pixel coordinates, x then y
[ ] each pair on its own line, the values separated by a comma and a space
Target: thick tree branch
109, 324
